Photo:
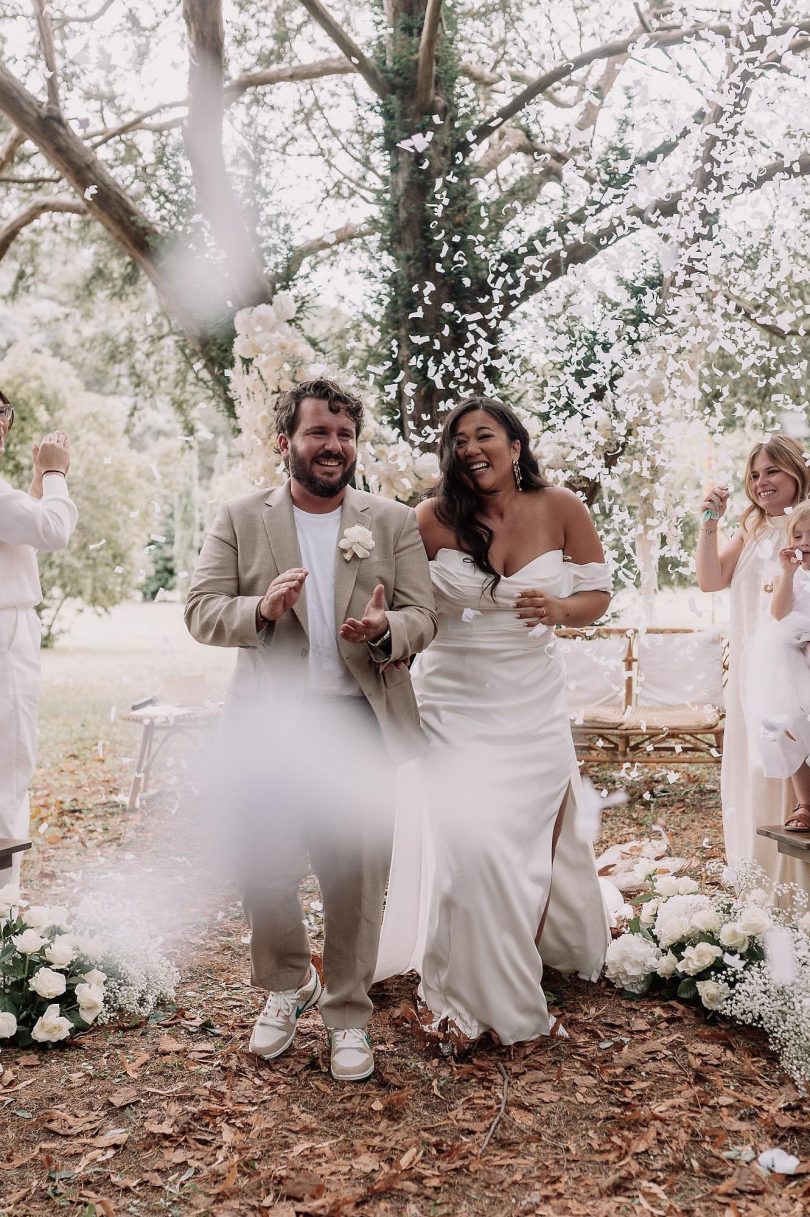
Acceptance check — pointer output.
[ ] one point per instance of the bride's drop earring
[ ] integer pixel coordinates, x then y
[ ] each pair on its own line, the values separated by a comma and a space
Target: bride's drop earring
518, 474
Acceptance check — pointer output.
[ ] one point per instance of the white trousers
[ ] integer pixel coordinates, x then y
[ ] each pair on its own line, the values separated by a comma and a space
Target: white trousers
20, 635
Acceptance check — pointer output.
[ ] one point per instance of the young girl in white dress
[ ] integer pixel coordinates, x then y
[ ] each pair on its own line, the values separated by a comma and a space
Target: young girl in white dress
779, 683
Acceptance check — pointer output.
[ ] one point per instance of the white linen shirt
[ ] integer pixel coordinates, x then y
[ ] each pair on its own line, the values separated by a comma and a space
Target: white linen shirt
28, 525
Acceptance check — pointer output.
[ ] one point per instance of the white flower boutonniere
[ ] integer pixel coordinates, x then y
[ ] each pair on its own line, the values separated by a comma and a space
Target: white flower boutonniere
357, 542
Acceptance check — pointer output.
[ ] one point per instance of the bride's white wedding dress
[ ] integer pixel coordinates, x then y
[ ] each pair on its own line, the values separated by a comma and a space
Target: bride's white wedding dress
490, 877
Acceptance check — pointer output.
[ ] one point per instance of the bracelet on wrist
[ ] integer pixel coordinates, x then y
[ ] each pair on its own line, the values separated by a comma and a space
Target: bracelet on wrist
46, 471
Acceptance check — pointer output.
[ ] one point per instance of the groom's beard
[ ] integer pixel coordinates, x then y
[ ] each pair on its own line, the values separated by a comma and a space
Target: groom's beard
305, 475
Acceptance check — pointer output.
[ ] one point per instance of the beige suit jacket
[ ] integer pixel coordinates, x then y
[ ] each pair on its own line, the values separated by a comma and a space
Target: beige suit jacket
252, 540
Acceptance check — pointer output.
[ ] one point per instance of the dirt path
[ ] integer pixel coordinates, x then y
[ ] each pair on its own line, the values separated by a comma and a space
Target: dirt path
645, 1109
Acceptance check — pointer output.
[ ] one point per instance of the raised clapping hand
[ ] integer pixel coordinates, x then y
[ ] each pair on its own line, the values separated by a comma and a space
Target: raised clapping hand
282, 593
715, 500
52, 453
372, 625
538, 608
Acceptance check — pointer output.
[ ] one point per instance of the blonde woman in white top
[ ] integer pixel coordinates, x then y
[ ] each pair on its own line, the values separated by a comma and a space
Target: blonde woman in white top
776, 479
41, 518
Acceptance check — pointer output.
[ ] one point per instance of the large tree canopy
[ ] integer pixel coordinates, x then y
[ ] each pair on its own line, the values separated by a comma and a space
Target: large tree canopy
472, 156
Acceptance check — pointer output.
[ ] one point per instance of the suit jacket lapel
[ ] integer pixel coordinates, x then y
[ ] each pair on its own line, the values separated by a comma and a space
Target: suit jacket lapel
355, 511
279, 523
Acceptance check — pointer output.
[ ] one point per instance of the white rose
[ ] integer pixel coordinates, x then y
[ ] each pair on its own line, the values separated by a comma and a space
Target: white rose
648, 910
706, 921
699, 957
731, 935
10, 899
753, 920
666, 885
644, 869
52, 1026
91, 999
758, 896
47, 983
668, 965
42, 916
712, 993
61, 952
630, 960
687, 886
28, 942
8, 1025
95, 977
677, 916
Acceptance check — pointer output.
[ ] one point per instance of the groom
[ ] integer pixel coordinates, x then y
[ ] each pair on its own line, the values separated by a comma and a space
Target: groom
322, 588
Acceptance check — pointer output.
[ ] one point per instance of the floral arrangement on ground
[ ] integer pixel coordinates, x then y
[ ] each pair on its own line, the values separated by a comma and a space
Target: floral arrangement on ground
60, 973
742, 952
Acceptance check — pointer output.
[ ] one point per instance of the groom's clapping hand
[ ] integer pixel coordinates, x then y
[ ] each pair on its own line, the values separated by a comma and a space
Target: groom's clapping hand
282, 593
372, 625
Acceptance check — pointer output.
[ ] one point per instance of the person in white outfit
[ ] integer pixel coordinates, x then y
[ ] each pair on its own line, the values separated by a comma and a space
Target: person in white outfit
42, 518
779, 679
776, 481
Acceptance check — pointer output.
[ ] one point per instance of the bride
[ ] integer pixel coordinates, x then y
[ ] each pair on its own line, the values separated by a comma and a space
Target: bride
490, 877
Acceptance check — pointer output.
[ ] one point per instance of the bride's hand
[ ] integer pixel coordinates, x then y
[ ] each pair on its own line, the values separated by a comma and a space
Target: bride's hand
538, 608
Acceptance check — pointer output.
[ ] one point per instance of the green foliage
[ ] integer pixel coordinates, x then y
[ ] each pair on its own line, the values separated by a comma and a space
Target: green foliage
97, 570
162, 576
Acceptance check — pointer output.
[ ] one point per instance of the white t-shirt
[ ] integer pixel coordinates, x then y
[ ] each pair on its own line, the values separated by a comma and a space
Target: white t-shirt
318, 536
28, 525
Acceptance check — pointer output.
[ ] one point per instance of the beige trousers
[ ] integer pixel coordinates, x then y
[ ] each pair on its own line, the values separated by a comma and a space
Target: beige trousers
327, 799
19, 702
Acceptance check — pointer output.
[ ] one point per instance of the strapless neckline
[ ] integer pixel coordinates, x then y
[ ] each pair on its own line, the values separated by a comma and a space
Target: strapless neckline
446, 550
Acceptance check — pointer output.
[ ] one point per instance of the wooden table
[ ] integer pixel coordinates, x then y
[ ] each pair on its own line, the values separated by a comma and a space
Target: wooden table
159, 723
8, 848
794, 844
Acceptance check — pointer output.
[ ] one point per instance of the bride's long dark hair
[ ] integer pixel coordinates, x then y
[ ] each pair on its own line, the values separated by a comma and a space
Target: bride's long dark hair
458, 500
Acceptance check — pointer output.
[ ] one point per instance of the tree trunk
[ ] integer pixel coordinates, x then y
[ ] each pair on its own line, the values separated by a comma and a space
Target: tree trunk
432, 231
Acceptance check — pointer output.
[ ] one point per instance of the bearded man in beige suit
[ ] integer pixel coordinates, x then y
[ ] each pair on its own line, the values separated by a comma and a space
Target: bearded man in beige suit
324, 589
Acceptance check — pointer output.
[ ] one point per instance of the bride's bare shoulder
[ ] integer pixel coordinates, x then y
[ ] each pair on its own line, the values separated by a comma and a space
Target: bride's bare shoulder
435, 535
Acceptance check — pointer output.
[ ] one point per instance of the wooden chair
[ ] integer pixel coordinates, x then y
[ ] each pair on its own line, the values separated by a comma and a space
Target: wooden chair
636, 724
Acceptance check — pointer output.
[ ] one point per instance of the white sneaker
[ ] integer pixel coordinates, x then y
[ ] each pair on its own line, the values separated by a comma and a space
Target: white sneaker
275, 1026
352, 1058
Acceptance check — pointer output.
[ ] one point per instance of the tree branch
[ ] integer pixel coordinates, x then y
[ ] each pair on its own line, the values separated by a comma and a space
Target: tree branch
368, 70
767, 322
106, 201
744, 59
202, 135
583, 249
426, 64
77, 18
609, 50
232, 91
14, 140
285, 73
327, 242
56, 202
48, 52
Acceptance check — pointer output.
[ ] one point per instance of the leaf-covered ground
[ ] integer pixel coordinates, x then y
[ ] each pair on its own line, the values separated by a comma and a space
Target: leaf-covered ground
647, 1108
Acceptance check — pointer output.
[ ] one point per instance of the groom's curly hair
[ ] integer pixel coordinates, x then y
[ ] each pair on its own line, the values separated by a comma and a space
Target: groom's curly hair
458, 500
336, 396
